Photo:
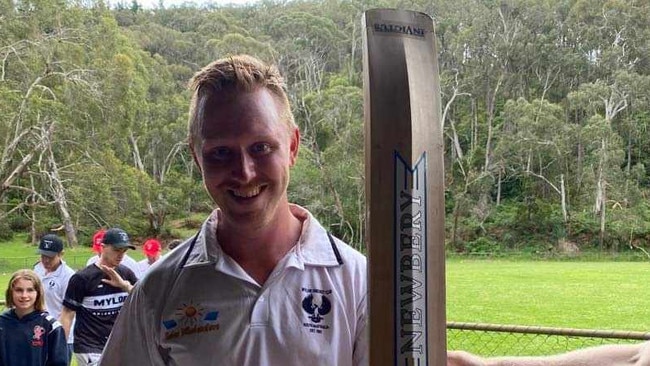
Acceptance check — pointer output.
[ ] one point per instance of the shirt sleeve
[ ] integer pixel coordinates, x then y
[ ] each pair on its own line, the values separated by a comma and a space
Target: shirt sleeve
133, 277
64, 283
57, 346
134, 338
74, 294
360, 355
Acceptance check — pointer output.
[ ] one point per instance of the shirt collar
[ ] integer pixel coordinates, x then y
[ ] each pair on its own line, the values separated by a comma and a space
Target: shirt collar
56, 273
314, 247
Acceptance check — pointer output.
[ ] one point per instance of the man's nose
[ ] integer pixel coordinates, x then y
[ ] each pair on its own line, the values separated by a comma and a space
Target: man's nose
244, 167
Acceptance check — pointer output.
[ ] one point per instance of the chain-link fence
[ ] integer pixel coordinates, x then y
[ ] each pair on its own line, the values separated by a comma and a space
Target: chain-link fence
12, 264
514, 340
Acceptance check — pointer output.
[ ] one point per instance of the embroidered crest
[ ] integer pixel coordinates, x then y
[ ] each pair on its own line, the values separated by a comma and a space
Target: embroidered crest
37, 337
317, 305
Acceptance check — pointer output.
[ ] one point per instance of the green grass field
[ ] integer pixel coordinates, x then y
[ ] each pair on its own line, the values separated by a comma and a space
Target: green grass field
592, 295
569, 294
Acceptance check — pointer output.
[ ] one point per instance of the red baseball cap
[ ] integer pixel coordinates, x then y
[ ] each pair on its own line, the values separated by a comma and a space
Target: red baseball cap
97, 240
151, 247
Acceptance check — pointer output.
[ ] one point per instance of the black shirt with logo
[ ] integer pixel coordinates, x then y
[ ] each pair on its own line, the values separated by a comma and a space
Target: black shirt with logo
96, 304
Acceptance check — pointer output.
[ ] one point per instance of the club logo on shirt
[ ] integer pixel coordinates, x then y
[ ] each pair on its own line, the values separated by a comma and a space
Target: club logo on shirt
190, 318
316, 305
37, 338
52, 283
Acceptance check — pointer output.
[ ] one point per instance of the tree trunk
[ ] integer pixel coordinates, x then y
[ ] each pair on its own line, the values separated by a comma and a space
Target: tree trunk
600, 192
445, 113
490, 100
32, 208
154, 219
565, 214
499, 189
601, 236
454, 228
474, 137
58, 192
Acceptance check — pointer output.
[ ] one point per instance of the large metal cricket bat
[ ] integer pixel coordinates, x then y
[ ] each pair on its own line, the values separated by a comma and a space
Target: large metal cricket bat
404, 189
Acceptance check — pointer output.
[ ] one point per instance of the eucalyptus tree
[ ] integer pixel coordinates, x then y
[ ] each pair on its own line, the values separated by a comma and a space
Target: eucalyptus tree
332, 131
608, 99
537, 142
43, 65
308, 45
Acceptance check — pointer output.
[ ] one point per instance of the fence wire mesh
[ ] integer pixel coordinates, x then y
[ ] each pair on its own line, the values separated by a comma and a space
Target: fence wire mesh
514, 340
10, 264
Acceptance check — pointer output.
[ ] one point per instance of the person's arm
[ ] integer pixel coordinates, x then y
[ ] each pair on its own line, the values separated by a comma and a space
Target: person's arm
57, 347
609, 355
66, 317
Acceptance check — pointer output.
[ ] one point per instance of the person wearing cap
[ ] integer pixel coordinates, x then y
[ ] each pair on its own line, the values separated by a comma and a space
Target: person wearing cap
127, 261
95, 296
151, 249
262, 282
54, 274
97, 246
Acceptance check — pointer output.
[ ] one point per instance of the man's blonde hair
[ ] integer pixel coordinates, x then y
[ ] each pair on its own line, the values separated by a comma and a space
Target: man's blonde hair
241, 73
29, 275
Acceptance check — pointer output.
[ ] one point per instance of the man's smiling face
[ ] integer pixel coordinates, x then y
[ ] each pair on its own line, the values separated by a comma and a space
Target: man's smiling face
246, 153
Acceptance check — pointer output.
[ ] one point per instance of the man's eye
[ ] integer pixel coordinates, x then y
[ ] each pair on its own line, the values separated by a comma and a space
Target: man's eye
220, 153
261, 148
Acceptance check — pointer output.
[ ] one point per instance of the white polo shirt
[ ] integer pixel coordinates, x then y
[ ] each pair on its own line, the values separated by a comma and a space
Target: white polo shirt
143, 267
127, 261
198, 307
54, 285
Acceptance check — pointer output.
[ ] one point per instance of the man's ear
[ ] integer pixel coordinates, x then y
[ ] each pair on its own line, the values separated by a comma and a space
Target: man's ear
294, 146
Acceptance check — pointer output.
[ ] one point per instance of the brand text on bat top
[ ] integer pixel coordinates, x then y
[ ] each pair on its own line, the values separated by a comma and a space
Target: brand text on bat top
399, 28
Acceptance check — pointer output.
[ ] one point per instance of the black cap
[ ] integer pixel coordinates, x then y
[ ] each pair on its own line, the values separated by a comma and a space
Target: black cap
50, 245
117, 238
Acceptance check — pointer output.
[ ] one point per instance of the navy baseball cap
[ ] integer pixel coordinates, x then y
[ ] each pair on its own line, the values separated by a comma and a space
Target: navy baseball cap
117, 238
50, 245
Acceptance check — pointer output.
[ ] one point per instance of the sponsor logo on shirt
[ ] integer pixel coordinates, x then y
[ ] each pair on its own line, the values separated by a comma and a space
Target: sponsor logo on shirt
37, 338
105, 305
190, 318
316, 305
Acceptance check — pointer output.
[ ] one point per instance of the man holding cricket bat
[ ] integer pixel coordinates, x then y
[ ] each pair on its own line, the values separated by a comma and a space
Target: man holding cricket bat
262, 282
609, 355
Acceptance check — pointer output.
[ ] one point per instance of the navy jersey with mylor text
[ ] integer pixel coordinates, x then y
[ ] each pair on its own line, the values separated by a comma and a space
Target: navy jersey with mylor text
97, 306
